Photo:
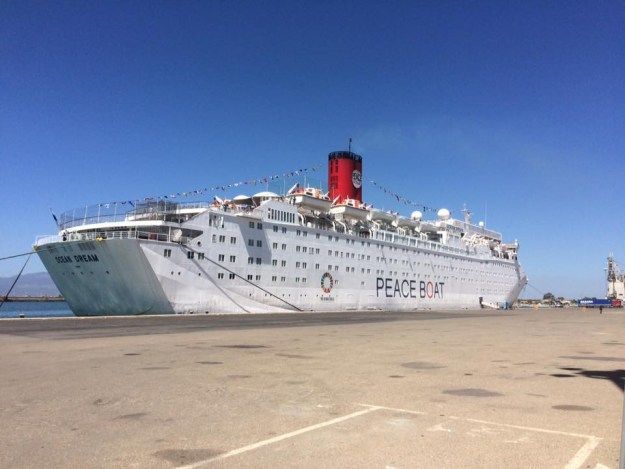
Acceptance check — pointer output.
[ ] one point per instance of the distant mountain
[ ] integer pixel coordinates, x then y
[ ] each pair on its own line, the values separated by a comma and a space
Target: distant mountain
35, 284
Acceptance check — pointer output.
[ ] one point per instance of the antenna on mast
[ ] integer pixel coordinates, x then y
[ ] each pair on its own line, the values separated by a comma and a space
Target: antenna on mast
349, 145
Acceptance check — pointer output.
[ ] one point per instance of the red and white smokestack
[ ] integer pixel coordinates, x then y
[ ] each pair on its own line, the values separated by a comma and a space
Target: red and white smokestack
345, 176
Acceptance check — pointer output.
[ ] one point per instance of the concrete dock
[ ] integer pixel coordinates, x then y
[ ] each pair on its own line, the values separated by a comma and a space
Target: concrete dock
522, 388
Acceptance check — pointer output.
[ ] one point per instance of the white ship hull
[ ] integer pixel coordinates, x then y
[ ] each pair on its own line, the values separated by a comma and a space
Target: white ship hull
243, 264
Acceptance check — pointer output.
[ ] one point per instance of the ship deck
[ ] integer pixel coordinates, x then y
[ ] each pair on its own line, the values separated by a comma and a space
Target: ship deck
522, 388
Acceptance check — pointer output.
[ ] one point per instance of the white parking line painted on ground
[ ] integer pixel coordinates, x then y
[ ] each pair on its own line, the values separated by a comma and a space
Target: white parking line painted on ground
575, 463
580, 457
278, 438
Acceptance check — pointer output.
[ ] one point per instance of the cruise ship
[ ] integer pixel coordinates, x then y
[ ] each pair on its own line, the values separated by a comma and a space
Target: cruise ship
304, 250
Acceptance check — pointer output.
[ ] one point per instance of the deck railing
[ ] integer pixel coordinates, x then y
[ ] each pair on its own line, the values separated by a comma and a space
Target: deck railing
104, 235
108, 213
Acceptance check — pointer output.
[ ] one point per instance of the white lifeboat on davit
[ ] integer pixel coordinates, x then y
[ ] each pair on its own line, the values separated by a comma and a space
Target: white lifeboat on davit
310, 198
350, 209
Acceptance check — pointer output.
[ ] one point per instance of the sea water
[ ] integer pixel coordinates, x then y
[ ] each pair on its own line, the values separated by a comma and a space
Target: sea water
35, 309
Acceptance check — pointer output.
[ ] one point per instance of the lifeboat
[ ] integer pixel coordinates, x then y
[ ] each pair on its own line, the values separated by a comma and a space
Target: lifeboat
311, 199
350, 209
380, 215
403, 222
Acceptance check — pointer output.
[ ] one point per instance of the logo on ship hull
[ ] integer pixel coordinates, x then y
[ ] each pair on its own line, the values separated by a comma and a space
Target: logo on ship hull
327, 282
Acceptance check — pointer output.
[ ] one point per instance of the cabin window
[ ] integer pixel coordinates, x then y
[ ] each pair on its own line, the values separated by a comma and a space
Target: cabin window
167, 253
317, 266
250, 260
251, 224
190, 254
220, 275
231, 276
250, 242
200, 255
258, 260
259, 243
258, 277
233, 258
233, 240
274, 278
283, 263
221, 257
222, 238
274, 262
250, 277
259, 226
274, 245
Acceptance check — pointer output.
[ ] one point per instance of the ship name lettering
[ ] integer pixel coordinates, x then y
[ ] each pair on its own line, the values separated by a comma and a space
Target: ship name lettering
63, 259
86, 258
394, 288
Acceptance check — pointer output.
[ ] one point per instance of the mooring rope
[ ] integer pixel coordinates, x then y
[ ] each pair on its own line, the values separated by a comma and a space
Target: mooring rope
4, 299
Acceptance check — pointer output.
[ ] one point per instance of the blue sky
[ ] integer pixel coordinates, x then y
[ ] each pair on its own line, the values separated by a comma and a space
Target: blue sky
517, 106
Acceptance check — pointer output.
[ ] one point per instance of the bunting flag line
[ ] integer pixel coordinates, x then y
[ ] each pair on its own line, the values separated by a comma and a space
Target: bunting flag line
221, 187
401, 199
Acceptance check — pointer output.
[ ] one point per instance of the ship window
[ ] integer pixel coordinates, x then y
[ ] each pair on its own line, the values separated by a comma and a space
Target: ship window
214, 238
274, 278
259, 226
233, 240
274, 245
190, 254
303, 279
275, 228
317, 266
304, 249
297, 264
317, 251
220, 275
259, 243
296, 279
305, 233
250, 260
283, 263
222, 238
200, 255
233, 258
317, 235
251, 224
329, 252
221, 257
250, 276
231, 276
284, 229
250, 242
258, 260
258, 277
274, 262
297, 248
298, 232
304, 265
167, 253
336, 267
282, 279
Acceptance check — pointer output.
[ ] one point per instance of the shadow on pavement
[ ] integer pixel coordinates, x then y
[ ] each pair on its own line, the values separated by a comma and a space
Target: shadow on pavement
616, 376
